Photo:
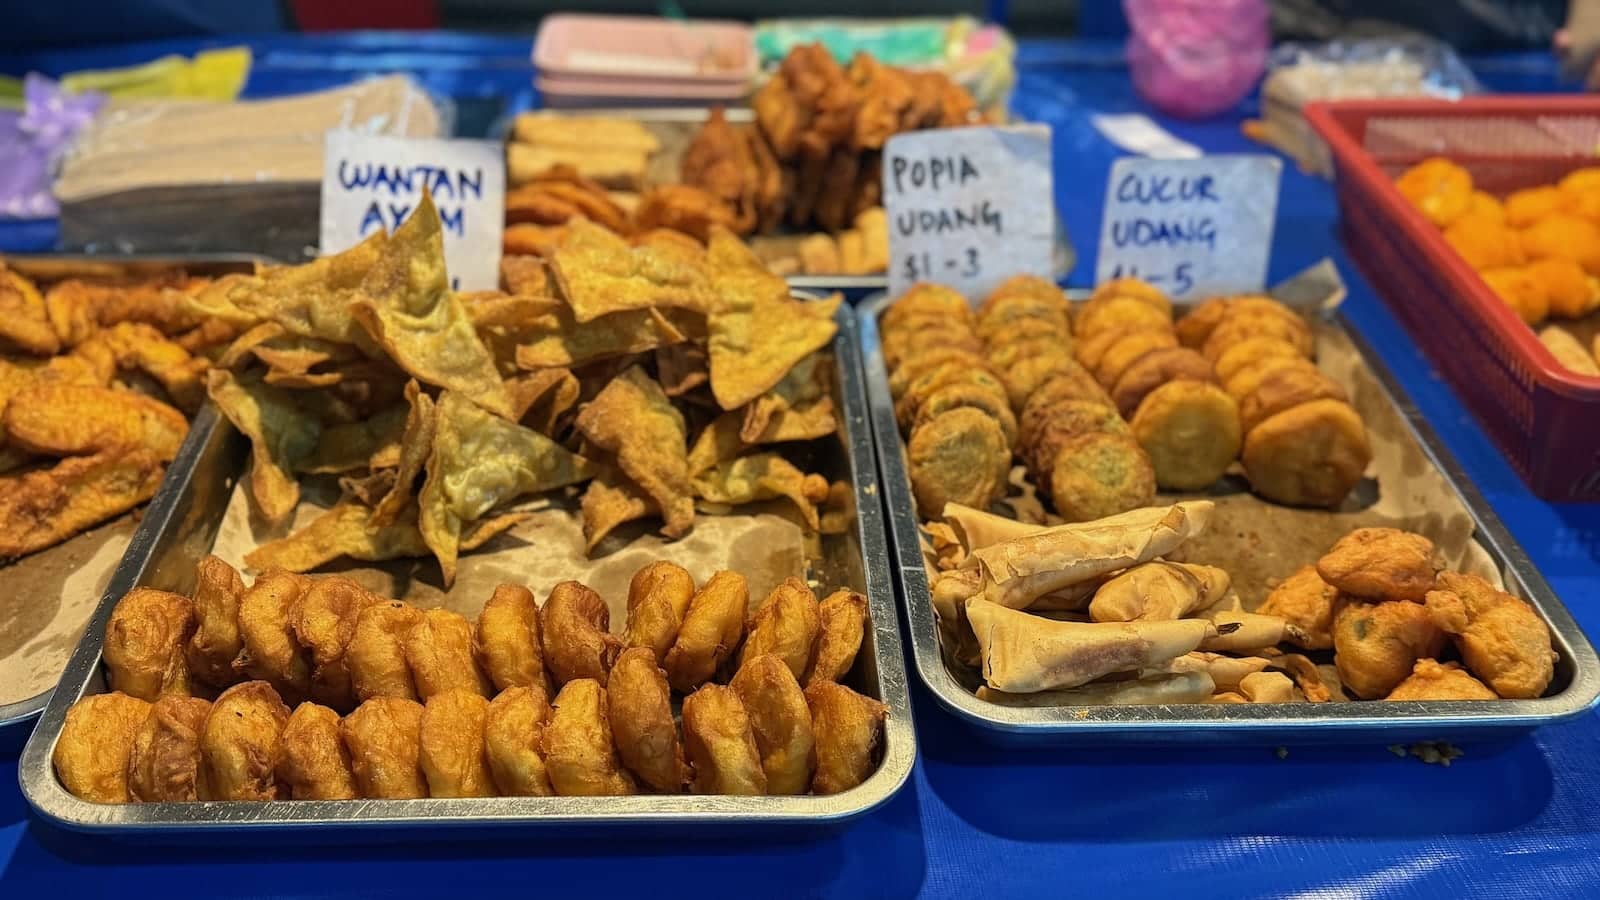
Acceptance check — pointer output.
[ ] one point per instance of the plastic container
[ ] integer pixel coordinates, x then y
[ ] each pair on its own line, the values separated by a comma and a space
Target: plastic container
618, 53
1541, 414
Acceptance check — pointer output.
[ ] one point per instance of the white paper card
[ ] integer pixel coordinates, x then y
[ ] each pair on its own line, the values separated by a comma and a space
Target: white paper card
371, 182
969, 207
1191, 227
1140, 134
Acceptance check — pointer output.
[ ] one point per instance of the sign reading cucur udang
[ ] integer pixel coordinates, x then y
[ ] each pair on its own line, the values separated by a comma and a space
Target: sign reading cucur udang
373, 183
968, 207
1191, 227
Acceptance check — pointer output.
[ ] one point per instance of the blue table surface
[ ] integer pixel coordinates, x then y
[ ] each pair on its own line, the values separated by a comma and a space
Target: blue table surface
1509, 819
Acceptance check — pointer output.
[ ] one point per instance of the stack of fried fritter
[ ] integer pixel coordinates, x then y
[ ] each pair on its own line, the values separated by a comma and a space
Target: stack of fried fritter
329, 692
84, 436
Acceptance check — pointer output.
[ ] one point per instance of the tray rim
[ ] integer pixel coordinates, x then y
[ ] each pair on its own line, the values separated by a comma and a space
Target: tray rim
51, 801
1222, 722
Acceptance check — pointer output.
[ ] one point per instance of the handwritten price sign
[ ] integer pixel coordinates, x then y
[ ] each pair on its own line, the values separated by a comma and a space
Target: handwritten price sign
968, 207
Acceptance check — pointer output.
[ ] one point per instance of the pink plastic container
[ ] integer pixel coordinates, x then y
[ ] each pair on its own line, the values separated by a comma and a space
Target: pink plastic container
628, 49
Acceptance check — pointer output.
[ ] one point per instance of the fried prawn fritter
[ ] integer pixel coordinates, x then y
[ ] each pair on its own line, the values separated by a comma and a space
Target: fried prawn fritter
1380, 564
780, 722
1311, 455
961, 396
1244, 324
958, 457
1247, 380
270, 652
1250, 351
710, 632
1376, 644
1119, 312
1502, 639
575, 628
640, 715
1190, 431
96, 741
1307, 602
1152, 370
721, 744
1127, 350
313, 762
439, 651
1025, 376
944, 375
215, 643
507, 640
376, 656
926, 298
658, 599
842, 624
324, 622
451, 745
785, 625
1283, 389
239, 743
849, 730
577, 746
1132, 287
144, 644
1430, 680
1097, 475
384, 737
164, 765
901, 376
512, 728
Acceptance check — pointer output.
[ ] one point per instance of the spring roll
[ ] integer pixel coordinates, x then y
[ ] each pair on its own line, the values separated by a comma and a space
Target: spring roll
1160, 690
1158, 591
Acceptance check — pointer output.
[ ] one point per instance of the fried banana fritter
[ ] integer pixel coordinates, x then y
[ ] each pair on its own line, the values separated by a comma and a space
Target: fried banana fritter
91, 754
164, 765
144, 641
438, 649
270, 652
711, 631
324, 623
575, 628
507, 640
640, 715
721, 744
43, 507
512, 730
239, 743
384, 737
215, 643
848, 729
785, 625
842, 624
658, 598
780, 722
451, 745
313, 762
376, 656
577, 744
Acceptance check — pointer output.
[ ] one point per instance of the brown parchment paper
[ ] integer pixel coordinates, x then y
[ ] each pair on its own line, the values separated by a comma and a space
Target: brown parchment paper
544, 551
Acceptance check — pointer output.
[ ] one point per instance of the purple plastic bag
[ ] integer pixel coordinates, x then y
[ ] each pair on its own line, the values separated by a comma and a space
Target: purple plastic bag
1195, 58
31, 141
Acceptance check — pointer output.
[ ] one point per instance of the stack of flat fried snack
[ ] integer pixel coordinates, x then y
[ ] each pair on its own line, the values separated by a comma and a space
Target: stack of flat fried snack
93, 374
394, 702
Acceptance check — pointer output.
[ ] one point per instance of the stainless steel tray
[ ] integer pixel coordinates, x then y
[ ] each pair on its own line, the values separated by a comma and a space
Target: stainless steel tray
182, 523
1577, 674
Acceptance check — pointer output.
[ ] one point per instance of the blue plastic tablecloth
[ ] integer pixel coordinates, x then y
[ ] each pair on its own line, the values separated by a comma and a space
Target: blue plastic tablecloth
1511, 819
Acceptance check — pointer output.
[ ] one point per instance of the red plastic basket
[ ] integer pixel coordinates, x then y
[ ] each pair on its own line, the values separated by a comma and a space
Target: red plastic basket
1545, 418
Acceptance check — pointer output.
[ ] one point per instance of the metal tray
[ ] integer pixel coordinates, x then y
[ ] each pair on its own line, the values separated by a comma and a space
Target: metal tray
1577, 672
14, 717
182, 523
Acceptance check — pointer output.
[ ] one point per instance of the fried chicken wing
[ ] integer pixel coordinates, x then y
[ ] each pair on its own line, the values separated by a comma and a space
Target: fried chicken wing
786, 625
215, 643
848, 729
91, 755
842, 623
575, 626
721, 744
507, 640
312, 761
640, 715
439, 651
239, 743
1430, 680
512, 730
270, 652
1377, 644
324, 621
780, 722
144, 644
44, 507
1307, 602
1380, 564
577, 746
376, 656
452, 745
164, 765
384, 737
710, 632
1502, 638
658, 599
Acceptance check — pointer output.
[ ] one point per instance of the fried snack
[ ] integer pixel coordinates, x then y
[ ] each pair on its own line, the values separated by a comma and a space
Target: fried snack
1529, 205
575, 631
763, 476
1377, 644
43, 507
344, 530
1250, 351
24, 321
450, 741
785, 625
1429, 680
239, 742
281, 437
1566, 287
507, 640
611, 499
164, 763
376, 657
1157, 591
1155, 690
599, 273
144, 640
1239, 631
1267, 687
945, 375
841, 626
1025, 376
525, 239
1564, 236
347, 448
324, 621
658, 598
269, 651
1568, 351
721, 744
512, 730
1119, 312
1248, 379
1380, 564
215, 643
1097, 475
635, 420
1022, 653
1190, 431
1152, 370
1307, 602
1132, 287
686, 208
438, 650
925, 299
1243, 323
711, 631
1311, 455
1439, 188
60, 419
1285, 388
1484, 242
780, 722
1501, 638
1127, 350
384, 737
415, 442
961, 457
849, 730
92, 753
577, 745
958, 396
313, 762
641, 721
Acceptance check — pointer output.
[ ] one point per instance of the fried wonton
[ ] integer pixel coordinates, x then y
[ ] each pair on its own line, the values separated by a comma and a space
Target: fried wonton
599, 273
725, 437
763, 476
344, 448
634, 419
344, 531
416, 443
611, 500
480, 461
682, 368
312, 300
539, 399
280, 438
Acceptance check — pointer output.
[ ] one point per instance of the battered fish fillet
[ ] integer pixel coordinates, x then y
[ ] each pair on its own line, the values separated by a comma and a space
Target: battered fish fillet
42, 508
716, 730
215, 644
780, 722
452, 745
1429, 680
136, 347
1380, 564
239, 743
1376, 644
711, 631
511, 733
849, 730
507, 640
658, 598
577, 746
164, 765
271, 653
384, 737
842, 624
78, 308
575, 629
96, 741
57, 419
24, 322
1502, 638
785, 625
376, 656
313, 762
144, 639
640, 715
1307, 602
439, 651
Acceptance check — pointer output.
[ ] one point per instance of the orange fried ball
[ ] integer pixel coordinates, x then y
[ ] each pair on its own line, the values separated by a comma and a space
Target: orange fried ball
1438, 187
